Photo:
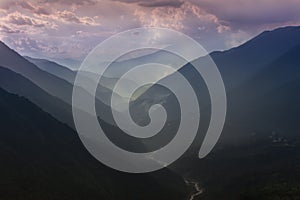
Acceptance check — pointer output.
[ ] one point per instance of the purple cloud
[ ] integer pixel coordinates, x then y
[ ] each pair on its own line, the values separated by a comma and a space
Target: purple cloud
21, 20
9, 30
71, 2
76, 26
254, 14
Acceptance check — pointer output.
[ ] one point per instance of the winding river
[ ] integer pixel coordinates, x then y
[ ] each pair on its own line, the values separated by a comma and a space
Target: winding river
197, 189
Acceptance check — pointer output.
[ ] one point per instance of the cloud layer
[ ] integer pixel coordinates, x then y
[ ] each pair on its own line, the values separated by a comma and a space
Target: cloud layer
69, 29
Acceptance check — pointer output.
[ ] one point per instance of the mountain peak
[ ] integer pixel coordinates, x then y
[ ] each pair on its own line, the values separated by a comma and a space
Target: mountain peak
267, 46
3, 45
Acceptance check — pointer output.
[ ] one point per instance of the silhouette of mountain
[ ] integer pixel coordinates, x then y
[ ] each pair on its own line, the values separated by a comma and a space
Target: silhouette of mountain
48, 82
51, 83
42, 158
258, 153
251, 73
260, 138
105, 88
269, 92
69, 75
53, 68
240, 64
17, 84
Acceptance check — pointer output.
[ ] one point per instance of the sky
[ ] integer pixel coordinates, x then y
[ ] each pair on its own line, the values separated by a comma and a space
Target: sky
66, 30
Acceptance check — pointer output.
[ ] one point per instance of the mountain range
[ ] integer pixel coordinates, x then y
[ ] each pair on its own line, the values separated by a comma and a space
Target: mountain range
40, 148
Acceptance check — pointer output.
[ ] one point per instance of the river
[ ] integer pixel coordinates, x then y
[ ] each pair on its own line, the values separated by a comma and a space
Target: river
197, 189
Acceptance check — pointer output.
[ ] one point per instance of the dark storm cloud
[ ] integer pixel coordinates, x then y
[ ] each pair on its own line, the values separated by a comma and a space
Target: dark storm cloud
155, 3
175, 4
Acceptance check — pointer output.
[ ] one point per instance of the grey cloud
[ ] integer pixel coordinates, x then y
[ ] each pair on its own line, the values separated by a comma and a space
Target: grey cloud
35, 10
25, 5
5, 5
41, 11
155, 3
72, 2
32, 45
175, 4
73, 18
252, 14
69, 16
21, 20
9, 30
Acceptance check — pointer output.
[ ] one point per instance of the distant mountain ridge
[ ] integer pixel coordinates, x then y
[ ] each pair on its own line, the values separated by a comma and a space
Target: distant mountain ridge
53, 68
48, 82
245, 70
